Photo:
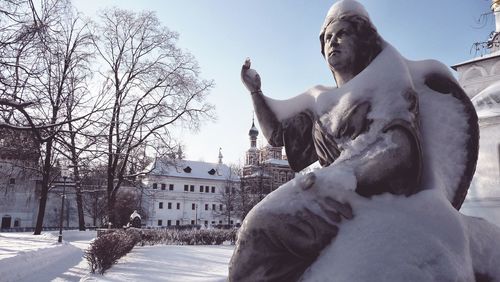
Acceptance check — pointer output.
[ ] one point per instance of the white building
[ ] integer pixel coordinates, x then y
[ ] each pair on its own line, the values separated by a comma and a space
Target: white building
183, 192
480, 78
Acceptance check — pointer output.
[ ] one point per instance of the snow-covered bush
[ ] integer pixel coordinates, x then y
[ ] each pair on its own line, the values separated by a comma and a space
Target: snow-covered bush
105, 250
188, 236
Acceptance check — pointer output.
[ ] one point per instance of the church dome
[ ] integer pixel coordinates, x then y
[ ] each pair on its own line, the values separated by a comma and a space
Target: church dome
253, 130
487, 102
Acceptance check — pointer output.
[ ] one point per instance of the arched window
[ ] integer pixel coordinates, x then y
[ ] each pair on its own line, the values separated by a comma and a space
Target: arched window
474, 73
495, 70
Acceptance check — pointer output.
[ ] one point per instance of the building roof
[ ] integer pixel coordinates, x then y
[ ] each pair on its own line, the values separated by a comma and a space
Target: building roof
277, 162
191, 169
477, 59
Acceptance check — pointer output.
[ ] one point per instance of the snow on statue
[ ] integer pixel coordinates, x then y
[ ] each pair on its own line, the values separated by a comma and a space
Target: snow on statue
398, 143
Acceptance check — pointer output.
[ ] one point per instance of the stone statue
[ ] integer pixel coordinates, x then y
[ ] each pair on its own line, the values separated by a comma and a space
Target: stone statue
400, 129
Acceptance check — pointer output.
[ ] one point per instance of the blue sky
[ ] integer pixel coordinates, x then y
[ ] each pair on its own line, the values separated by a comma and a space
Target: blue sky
281, 38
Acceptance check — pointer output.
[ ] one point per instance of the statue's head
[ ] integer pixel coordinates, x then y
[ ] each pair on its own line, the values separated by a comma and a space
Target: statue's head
349, 41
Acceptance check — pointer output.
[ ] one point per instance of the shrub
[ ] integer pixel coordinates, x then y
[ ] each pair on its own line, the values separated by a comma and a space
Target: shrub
106, 249
171, 236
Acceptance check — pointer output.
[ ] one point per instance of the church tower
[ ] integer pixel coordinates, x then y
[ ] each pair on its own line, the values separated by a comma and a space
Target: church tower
252, 156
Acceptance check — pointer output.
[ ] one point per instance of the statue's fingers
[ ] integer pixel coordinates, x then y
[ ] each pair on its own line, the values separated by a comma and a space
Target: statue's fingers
308, 181
335, 217
332, 214
344, 209
247, 64
257, 78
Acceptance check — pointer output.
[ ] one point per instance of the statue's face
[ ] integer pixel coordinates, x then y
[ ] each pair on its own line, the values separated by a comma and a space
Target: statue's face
340, 46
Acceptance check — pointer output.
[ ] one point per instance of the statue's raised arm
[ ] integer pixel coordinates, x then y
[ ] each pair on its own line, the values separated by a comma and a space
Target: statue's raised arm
267, 118
284, 123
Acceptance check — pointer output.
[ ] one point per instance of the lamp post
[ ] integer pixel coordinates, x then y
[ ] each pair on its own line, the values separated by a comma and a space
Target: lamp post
196, 215
64, 176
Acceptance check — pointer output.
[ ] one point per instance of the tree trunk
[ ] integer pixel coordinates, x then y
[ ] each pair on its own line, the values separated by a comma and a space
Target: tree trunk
41, 211
46, 170
78, 189
79, 206
111, 198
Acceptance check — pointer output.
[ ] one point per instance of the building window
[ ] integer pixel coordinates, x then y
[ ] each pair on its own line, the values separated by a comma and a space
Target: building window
193, 206
233, 190
213, 207
160, 205
177, 223
207, 189
186, 188
220, 207
169, 205
201, 188
178, 206
232, 222
155, 185
206, 207
227, 189
213, 189
191, 188
192, 222
160, 222
169, 222
12, 181
220, 221
163, 186
206, 222
213, 222
171, 187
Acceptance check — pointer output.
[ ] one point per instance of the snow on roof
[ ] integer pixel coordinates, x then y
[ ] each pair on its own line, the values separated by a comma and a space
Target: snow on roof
487, 102
276, 162
258, 174
192, 169
477, 59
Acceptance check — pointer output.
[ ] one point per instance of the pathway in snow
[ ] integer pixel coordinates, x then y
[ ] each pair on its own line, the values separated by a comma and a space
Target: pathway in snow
26, 257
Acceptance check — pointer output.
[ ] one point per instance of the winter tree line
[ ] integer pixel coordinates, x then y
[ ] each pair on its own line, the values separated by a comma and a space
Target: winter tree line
96, 93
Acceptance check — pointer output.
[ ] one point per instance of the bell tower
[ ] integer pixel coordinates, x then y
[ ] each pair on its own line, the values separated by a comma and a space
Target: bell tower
252, 157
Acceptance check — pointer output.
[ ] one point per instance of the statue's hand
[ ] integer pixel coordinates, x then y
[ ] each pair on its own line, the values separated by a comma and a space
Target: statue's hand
250, 77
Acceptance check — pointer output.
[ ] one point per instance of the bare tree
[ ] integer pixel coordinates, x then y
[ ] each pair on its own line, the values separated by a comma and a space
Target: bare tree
45, 51
153, 84
94, 204
228, 196
93, 183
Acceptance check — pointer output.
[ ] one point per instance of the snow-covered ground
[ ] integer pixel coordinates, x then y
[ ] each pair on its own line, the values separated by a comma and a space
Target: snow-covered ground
170, 263
26, 257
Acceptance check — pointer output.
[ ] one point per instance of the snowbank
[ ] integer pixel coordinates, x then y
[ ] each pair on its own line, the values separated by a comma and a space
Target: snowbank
27, 257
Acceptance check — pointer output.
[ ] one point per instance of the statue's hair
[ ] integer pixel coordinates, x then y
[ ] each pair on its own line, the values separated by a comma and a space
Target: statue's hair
368, 41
